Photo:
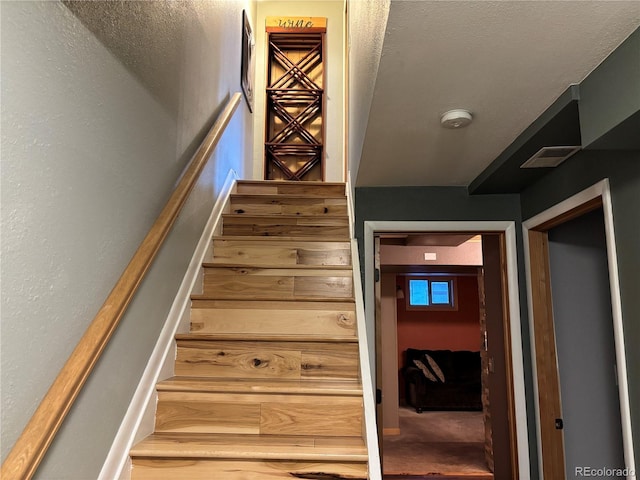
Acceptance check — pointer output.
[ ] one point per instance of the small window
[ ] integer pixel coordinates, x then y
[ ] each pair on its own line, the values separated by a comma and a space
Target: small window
440, 293
433, 293
419, 292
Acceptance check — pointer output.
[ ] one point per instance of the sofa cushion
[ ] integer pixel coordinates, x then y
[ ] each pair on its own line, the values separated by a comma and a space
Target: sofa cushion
434, 367
460, 370
425, 371
412, 354
444, 359
456, 366
467, 366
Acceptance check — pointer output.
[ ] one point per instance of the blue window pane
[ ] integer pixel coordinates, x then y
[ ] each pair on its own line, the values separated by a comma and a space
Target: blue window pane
419, 292
440, 293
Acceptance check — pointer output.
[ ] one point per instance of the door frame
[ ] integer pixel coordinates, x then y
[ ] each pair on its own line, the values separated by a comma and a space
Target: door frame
593, 197
371, 228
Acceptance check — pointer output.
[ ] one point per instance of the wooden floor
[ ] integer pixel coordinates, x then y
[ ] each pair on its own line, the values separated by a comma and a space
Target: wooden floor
266, 383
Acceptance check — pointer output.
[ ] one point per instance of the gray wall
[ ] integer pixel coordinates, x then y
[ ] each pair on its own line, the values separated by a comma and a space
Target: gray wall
623, 171
585, 346
611, 93
99, 119
366, 26
453, 204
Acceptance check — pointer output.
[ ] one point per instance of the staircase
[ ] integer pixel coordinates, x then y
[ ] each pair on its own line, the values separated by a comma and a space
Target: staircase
266, 383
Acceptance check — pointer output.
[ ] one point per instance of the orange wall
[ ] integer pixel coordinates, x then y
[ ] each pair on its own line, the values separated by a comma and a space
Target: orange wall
444, 330
441, 330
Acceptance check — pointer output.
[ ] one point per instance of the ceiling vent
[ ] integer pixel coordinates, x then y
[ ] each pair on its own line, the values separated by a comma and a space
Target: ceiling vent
548, 157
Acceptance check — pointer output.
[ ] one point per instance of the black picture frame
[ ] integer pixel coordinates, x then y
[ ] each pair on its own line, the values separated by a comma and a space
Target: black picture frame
247, 65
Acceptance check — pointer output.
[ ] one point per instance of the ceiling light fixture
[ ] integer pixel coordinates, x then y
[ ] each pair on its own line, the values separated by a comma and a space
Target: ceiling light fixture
456, 118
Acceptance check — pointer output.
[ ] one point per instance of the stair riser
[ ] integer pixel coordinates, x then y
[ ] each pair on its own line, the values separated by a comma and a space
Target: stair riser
318, 228
317, 190
259, 414
281, 253
290, 360
249, 205
272, 283
273, 320
152, 469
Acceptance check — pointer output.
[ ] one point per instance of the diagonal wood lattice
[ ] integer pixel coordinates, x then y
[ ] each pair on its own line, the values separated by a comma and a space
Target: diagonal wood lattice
295, 101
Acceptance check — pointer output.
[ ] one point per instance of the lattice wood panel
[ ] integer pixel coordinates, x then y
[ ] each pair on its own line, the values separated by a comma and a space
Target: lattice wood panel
294, 146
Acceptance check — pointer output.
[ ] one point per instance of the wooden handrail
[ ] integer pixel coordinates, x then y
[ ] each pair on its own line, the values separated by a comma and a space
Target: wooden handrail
31, 446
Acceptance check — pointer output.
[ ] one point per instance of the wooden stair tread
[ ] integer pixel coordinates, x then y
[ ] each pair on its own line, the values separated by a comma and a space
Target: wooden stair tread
264, 196
271, 298
250, 304
286, 447
321, 219
264, 238
240, 385
293, 266
267, 338
314, 183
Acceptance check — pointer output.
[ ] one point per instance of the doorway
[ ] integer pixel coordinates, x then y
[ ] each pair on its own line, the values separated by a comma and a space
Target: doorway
430, 319
582, 400
518, 442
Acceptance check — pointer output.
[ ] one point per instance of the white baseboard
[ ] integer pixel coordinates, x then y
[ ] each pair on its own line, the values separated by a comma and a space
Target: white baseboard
139, 420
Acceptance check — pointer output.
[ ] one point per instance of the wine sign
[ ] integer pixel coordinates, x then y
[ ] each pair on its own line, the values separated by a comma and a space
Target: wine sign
296, 24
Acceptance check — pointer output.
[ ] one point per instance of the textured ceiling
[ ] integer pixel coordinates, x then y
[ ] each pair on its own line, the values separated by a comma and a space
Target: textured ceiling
505, 61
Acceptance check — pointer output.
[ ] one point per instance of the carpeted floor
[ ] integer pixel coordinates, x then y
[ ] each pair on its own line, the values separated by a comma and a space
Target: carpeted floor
433, 443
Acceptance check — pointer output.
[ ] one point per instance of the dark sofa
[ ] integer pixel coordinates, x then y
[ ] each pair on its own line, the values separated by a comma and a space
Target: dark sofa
461, 388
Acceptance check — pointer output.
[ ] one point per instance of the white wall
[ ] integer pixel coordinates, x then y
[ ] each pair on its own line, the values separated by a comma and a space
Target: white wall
99, 118
334, 71
367, 21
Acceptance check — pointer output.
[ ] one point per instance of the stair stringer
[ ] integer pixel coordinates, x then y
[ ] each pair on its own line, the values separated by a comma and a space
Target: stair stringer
139, 420
370, 433
370, 430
